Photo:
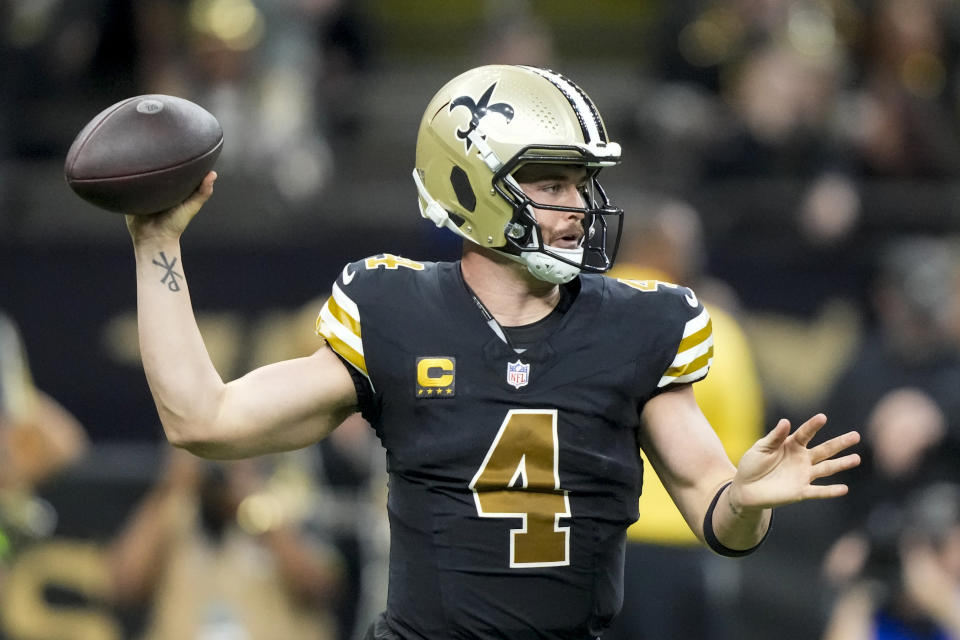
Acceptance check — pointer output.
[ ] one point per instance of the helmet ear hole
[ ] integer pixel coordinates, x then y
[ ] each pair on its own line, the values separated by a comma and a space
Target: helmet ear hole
461, 187
457, 220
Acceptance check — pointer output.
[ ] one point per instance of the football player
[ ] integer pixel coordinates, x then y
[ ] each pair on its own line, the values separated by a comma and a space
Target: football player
511, 389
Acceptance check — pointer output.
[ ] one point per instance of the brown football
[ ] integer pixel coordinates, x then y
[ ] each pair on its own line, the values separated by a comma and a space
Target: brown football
143, 154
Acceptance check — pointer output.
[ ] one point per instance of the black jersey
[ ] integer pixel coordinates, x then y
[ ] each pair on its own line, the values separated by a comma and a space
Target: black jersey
513, 477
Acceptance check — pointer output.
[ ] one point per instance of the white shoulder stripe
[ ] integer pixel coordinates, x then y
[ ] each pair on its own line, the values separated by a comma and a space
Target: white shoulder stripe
689, 377
694, 352
340, 331
345, 303
696, 324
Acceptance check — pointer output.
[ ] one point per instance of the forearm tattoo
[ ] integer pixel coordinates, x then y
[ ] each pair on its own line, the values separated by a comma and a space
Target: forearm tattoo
169, 275
736, 512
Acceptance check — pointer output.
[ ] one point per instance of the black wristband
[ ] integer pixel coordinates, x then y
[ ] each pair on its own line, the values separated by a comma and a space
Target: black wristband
711, 538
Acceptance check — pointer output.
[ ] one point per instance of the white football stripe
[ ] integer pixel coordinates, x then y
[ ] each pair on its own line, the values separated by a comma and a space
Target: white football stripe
696, 324
688, 377
345, 303
340, 331
691, 354
576, 98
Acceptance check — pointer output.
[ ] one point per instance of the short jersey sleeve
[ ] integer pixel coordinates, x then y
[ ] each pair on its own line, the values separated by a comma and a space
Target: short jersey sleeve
357, 316
677, 335
694, 353
340, 323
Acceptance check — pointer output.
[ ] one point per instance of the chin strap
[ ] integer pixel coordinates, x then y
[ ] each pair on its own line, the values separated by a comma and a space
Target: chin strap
431, 209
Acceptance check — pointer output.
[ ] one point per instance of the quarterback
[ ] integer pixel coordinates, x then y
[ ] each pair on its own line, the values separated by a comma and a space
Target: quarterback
512, 389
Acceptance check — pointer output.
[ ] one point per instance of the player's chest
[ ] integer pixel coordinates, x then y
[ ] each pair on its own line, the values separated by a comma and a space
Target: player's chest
432, 367
451, 402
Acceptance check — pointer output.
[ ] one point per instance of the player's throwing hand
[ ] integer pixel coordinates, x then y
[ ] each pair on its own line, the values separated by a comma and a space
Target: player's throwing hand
172, 222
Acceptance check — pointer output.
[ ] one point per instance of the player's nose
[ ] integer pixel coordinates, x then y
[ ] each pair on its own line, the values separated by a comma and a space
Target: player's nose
573, 198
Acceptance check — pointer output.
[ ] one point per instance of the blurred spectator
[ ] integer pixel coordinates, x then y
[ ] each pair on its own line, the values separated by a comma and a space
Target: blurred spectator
906, 296
218, 551
783, 105
757, 82
773, 176
63, 62
348, 44
514, 34
906, 433
781, 101
663, 556
38, 438
698, 40
901, 387
664, 240
255, 65
914, 340
350, 481
904, 121
907, 584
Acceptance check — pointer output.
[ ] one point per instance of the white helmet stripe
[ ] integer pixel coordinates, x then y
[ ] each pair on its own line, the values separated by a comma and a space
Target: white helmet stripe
586, 112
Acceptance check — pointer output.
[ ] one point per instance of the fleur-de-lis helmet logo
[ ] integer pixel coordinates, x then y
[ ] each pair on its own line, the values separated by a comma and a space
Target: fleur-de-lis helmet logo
478, 110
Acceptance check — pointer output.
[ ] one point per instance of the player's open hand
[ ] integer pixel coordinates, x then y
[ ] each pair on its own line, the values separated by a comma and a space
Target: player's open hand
780, 468
171, 223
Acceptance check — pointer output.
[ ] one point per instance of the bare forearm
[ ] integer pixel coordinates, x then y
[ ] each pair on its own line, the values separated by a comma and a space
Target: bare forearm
277, 407
185, 385
736, 526
283, 406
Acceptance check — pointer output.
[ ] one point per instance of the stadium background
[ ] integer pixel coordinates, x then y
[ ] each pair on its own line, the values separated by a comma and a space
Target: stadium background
295, 202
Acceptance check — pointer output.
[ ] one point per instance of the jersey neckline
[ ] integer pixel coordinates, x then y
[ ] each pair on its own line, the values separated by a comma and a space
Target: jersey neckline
465, 314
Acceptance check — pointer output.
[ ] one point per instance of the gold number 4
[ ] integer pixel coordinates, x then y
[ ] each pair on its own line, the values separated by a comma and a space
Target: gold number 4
391, 261
519, 478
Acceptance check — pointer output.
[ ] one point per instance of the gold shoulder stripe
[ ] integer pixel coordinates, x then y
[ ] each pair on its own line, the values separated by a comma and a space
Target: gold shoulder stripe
340, 315
692, 366
339, 323
349, 354
694, 339
694, 353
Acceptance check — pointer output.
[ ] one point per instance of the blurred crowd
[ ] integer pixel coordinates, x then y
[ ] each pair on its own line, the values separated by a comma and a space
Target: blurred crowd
794, 161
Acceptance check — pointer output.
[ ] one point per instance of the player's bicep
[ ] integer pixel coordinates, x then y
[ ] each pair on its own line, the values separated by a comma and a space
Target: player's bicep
685, 452
281, 406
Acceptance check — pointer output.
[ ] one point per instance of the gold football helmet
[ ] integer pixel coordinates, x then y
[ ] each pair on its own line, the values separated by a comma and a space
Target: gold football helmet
485, 124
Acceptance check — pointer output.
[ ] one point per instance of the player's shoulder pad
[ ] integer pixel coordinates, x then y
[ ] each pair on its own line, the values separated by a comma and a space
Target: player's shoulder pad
360, 285
377, 278
676, 297
678, 307
384, 266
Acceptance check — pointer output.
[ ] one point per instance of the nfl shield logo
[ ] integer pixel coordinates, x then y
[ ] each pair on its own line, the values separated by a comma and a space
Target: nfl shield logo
518, 374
